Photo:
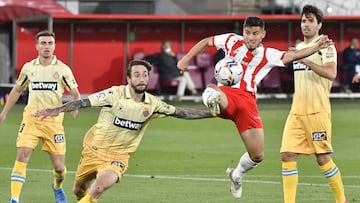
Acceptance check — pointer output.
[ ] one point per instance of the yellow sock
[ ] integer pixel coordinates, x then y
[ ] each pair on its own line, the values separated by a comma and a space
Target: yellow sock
18, 177
290, 181
87, 199
333, 176
59, 178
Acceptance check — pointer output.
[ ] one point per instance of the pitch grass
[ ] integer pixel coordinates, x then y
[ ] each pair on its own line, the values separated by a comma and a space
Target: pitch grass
185, 161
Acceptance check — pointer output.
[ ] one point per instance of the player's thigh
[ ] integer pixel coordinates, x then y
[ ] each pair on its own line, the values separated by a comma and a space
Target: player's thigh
28, 135
54, 138
87, 166
319, 132
254, 142
294, 138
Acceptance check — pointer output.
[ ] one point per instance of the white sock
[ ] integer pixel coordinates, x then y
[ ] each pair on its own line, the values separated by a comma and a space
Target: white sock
245, 164
208, 92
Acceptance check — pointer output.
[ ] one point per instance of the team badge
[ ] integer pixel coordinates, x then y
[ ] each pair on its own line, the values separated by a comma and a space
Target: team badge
56, 75
146, 112
100, 96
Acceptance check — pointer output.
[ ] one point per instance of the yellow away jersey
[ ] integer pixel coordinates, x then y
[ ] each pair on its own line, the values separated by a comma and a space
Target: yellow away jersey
46, 84
311, 90
122, 121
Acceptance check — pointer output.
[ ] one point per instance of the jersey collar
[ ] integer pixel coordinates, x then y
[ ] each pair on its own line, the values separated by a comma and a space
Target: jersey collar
53, 62
128, 95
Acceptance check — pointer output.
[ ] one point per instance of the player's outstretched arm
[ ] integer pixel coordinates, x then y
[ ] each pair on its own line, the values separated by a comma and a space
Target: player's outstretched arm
356, 78
69, 106
183, 63
189, 113
292, 55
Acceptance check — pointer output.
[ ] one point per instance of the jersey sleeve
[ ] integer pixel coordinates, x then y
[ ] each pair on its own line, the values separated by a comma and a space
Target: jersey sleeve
329, 54
163, 109
69, 79
102, 98
227, 42
23, 79
275, 57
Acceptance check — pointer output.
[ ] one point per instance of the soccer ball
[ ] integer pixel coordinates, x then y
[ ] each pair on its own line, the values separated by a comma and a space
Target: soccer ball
228, 71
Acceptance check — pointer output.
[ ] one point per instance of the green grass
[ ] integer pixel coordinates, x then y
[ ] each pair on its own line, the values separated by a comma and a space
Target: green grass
185, 161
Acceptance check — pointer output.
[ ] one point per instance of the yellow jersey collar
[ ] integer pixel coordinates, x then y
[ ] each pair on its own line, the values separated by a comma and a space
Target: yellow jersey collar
53, 62
128, 95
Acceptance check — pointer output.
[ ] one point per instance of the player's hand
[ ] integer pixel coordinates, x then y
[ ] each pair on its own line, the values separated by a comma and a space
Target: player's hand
46, 113
2, 118
182, 65
74, 113
356, 79
325, 42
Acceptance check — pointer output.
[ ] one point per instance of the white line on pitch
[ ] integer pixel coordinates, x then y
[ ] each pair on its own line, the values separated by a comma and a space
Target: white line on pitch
189, 177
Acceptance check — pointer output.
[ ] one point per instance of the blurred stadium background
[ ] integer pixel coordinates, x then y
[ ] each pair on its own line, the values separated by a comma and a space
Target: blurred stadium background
192, 158
124, 30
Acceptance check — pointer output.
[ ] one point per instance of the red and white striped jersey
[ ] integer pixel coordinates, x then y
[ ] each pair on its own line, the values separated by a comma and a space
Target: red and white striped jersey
256, 64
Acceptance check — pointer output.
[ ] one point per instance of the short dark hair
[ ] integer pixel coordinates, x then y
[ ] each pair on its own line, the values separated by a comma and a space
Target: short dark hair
135, 63
44, 33
308, 9
254, 21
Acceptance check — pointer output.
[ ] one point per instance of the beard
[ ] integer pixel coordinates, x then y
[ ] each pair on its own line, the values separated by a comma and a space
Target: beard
139, 89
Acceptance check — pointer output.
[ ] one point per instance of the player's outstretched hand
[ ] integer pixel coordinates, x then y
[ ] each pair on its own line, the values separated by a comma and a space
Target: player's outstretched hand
46, 113
356, 79
182, 65
325, 42
74, 113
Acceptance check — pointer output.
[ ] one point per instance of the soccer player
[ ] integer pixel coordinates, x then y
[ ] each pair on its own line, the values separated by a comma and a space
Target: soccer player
126, 112
238, 102
47, 77
308, 126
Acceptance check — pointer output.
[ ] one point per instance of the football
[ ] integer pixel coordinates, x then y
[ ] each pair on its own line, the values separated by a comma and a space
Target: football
228, 71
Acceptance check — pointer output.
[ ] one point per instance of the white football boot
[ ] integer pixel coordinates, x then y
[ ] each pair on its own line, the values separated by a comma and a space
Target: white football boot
211, 99
236, 186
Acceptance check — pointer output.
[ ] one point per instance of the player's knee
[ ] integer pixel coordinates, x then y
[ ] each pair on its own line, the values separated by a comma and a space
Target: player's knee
257, 158
79, 192
287, 157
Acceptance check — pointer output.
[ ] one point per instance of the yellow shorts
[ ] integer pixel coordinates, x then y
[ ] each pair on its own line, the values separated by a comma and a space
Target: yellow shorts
91, 164
307, 134
32, 130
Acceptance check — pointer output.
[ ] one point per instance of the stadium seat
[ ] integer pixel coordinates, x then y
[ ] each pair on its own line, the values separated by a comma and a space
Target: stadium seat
153, 85
139, 55
204, 62
271, 82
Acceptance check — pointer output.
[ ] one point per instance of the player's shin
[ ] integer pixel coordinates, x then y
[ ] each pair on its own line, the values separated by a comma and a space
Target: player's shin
333, 176
59, 178
290, 181
18, 177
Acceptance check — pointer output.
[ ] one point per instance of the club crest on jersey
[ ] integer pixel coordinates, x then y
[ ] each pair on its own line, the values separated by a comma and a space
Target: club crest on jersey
100, 96
146, 112
56, 75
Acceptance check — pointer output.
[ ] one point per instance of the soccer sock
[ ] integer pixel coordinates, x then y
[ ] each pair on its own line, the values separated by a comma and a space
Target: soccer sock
245, 164
290, 181
59, 178
333, 176
87, 199
18, 176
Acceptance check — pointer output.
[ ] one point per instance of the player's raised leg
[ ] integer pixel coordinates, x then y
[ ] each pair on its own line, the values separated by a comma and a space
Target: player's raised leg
254, 143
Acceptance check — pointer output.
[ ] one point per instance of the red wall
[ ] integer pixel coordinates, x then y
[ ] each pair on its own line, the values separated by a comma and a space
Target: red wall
98, 55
